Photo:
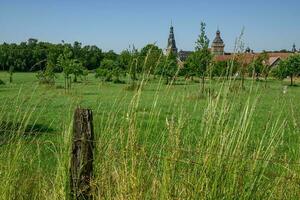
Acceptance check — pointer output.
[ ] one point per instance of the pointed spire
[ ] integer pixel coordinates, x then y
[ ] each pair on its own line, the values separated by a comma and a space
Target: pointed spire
171, 41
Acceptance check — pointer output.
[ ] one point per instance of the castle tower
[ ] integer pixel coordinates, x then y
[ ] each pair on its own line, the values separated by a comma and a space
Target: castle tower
294, 50
171, 42
218, 45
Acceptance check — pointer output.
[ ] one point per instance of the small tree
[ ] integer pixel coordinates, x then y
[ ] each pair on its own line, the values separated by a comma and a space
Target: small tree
47, 76
202, 41
109, 70
148, 58
133, 67
219, 68
289, 67
240, 65
266, 66
168, 67
255, 68
64, 63
128, 63
202, 57
11, 72
76, 68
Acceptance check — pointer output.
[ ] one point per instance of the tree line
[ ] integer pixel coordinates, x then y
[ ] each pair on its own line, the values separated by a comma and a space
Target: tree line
76, 61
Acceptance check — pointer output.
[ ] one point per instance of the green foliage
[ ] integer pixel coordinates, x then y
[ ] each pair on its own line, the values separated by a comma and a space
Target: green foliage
260, 66
109, 70
168, 67
47, 76
11, 72
255, 68
149, 58
70, 66
280, 72
133, 67
77, 68
125, 60
198, 62
202, 41
289, 67
32, 55
219, 69
2, 82
110, 55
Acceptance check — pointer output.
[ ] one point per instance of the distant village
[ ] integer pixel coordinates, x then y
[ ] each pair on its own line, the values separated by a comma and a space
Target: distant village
218, 50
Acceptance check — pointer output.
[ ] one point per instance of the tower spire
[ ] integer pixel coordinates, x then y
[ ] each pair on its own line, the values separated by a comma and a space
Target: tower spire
294, 50
218, 45
171, 41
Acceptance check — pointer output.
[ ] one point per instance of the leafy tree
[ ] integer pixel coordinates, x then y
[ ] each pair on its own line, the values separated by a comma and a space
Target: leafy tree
260, 66
125, 60
202, 57
219, 68
133, 69
149, 58
202, 41
289, 67
240, 66
91, 57
11, 72
85, 74
76, 68
33, 55
109, 70
266, 70
168, 67
111, 55
48, 76
255, 68
65, 62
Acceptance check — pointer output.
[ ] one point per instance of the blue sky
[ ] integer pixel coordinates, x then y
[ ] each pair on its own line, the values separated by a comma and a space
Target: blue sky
115, 24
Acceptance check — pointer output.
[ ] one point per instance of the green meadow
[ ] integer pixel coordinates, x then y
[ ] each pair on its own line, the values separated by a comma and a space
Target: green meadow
156, 142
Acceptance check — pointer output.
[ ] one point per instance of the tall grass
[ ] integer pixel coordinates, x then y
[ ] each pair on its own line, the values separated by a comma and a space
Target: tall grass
145, 153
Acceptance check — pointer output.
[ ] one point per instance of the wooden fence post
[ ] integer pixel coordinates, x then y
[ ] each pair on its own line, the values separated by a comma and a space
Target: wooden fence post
81, 169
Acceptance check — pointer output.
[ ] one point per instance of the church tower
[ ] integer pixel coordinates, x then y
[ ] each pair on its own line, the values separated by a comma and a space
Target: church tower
217, 47
294, 50
171, 43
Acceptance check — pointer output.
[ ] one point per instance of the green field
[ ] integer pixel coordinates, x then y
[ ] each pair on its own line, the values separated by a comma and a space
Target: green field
160, 142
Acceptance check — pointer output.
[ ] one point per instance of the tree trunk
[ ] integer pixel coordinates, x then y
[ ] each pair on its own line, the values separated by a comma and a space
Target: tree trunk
266, 79
292, 83
75, 79
70, 82
243, 80
202, 84
10, 78
65, 84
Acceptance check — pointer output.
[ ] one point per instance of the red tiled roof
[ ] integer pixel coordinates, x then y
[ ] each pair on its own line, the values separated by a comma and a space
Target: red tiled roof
249, 57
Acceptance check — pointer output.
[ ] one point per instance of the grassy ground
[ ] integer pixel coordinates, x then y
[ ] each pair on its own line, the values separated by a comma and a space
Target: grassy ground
161, 142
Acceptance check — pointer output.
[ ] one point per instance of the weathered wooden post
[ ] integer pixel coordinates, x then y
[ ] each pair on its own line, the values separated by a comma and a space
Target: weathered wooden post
81, 169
